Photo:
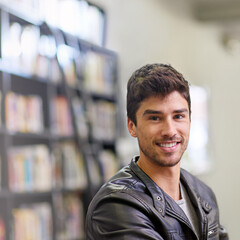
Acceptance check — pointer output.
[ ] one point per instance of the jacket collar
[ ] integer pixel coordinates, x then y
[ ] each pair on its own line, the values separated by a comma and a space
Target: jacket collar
156, 192
196, 196
162, 202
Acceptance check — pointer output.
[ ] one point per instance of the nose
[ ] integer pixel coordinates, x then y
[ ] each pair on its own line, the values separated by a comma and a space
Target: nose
168, 128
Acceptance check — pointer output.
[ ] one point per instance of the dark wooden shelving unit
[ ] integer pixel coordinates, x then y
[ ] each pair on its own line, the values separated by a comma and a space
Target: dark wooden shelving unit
22, 83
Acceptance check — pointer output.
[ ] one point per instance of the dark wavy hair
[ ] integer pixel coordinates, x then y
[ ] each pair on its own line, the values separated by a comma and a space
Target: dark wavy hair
153, 80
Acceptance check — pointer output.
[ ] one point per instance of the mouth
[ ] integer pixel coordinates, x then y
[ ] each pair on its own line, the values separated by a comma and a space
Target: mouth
168, 146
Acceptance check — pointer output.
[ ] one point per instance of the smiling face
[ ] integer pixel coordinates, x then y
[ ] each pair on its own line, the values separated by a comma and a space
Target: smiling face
162, 129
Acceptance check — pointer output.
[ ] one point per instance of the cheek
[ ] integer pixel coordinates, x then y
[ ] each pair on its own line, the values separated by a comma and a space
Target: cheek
186, 131
147, 132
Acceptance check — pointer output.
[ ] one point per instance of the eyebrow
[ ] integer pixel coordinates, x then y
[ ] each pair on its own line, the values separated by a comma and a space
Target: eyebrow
150, 111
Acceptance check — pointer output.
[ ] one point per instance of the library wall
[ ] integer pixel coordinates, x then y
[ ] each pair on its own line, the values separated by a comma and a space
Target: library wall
164, 31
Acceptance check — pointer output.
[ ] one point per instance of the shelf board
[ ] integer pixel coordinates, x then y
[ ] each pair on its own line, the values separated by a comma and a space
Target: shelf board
4, 193
18, 199
16, 71
104, 142
42, 135
57, 137
68, 191
7, 193
102, 96
32, 193
40, 194
21, 11
45, 135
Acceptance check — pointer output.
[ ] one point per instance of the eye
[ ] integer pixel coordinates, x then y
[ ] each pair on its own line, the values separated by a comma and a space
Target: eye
154, 118
179, 116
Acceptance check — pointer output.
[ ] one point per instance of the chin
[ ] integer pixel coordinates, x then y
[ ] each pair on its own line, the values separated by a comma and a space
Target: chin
169, 163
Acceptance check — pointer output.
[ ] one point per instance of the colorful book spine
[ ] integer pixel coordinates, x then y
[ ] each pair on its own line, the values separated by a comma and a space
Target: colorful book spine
109, 163
105, 126
2, 230
99, 73
24, 113
33, 222
30, 169
61, 117
70, 217
73, 168
37, 58
80, 117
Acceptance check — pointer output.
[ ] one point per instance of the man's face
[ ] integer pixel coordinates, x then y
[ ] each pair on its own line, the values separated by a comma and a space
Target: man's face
163, 125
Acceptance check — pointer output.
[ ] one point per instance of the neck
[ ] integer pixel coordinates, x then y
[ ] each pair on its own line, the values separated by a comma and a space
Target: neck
167, 178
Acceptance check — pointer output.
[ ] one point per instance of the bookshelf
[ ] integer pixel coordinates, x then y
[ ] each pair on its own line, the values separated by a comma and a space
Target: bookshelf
58, 105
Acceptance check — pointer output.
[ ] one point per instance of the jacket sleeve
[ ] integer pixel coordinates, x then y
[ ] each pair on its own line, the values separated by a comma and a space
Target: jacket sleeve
120, 218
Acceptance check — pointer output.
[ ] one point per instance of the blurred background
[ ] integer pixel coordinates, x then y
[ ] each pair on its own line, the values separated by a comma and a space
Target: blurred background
64, 69
200, 39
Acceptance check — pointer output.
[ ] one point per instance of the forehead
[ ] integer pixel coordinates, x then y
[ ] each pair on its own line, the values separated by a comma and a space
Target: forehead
169, 103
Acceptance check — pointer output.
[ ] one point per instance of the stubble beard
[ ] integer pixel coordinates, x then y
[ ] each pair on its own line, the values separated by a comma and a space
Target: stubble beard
157, 160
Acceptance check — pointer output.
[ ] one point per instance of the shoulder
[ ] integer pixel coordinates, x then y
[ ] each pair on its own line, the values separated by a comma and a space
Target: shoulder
121, 202
124, 186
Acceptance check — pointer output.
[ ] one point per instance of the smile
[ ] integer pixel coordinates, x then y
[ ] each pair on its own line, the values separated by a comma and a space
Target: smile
168, 145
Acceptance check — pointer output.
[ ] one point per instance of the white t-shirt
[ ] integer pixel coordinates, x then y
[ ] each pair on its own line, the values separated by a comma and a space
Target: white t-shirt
186, 205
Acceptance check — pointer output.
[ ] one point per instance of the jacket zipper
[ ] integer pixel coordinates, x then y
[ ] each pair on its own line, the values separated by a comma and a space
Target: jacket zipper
205, 228
211, 232
173, 214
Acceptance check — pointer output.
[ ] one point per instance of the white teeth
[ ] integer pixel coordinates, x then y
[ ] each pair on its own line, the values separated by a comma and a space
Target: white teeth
168, 144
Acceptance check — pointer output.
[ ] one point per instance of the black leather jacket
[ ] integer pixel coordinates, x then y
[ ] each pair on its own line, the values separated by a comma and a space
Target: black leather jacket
131, 206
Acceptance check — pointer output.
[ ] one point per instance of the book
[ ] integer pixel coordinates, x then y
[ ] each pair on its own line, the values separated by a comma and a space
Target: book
94, 171
46, 65
29, 52
69, 168
73, 167
11, 111
108, 163
37, 58
74, 217
69, 216
57, 165
55, 74
33, 222
61, 119
66, 56
29, 168
24, 113
90, 17
80, 117
105, 126
99, 73
2, 230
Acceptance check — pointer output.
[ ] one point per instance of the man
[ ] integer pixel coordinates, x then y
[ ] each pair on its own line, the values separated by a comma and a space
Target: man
153, 198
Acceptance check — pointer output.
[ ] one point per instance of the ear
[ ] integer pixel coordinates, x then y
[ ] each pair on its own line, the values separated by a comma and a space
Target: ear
131, 127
